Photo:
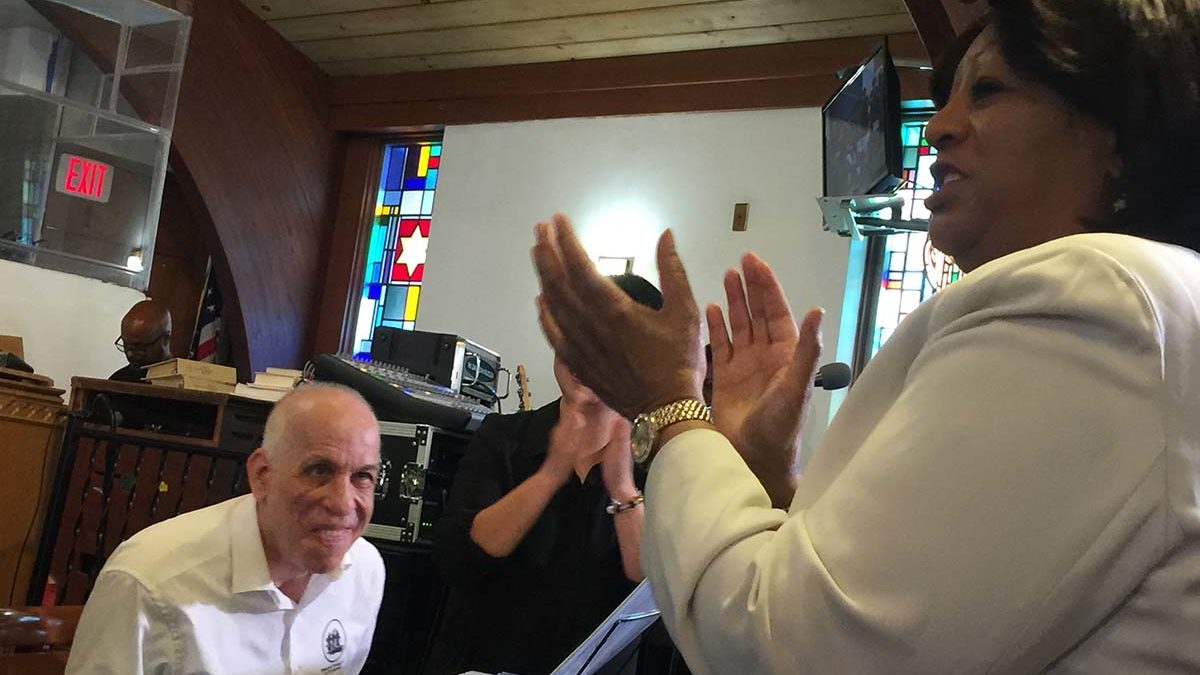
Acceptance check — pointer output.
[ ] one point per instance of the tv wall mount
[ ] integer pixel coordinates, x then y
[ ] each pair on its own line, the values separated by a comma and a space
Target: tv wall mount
858, 216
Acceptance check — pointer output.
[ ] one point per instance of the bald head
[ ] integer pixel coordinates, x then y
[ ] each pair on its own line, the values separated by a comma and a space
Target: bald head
314, 478
313, 408
146, 333
147, 313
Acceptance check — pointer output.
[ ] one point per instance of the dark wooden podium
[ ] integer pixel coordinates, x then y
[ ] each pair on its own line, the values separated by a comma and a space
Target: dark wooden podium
133, 455
31, 421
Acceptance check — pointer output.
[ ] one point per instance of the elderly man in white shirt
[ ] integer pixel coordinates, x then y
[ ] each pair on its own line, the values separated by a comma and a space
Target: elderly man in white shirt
278, 581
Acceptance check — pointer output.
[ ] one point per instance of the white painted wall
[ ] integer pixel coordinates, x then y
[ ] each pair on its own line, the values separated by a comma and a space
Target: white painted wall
623, 180
68, 322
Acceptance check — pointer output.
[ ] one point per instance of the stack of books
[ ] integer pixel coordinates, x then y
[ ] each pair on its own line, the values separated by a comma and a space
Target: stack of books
270, 385
196, 375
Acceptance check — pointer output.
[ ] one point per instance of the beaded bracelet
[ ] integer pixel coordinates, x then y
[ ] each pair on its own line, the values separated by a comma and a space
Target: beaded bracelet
614, 507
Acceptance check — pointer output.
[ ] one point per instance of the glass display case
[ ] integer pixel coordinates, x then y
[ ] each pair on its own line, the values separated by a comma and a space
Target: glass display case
87, 101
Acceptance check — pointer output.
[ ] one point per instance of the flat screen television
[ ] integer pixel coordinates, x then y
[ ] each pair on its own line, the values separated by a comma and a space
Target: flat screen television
861, 129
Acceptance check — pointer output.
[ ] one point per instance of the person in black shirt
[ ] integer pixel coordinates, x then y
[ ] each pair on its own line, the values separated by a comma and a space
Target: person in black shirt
533, 557
145, 339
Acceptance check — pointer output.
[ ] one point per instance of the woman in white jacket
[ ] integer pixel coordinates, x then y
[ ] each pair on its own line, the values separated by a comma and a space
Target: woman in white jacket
1012, 485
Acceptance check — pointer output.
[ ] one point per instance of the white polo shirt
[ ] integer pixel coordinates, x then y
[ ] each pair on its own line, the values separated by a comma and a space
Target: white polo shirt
193, 595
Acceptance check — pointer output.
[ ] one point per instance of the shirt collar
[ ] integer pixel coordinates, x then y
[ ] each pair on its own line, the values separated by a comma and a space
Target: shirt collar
250, 570
534, 439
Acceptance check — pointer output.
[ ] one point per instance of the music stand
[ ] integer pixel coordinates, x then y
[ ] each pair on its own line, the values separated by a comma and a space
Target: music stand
628, 621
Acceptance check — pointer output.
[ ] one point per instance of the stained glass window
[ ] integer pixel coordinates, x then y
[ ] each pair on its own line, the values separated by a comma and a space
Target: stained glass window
912, 269
395, 262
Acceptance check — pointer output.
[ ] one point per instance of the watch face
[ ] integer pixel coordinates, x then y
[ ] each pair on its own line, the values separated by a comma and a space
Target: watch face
641, 439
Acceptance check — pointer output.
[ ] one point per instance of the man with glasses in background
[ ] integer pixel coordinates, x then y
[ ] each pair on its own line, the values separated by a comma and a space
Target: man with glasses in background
145, 339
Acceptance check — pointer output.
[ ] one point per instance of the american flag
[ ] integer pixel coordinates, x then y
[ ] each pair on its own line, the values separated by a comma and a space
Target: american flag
209, 325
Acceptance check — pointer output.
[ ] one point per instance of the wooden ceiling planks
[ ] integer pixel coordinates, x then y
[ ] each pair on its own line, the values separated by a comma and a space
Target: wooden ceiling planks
766, 62
358, 37
745, 37
466, 13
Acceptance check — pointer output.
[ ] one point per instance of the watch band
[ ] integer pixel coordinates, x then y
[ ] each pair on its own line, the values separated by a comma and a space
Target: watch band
682, 410
647, 427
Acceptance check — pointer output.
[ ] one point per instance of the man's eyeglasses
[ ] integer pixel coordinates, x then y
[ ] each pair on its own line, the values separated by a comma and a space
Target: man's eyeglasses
126, 347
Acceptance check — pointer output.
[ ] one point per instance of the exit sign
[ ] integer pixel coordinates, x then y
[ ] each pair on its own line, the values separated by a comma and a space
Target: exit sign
84, 178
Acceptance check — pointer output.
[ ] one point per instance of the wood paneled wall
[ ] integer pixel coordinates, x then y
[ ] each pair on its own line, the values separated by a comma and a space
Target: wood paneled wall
797, 74
252, 143
181, 252
938, 21
347, 249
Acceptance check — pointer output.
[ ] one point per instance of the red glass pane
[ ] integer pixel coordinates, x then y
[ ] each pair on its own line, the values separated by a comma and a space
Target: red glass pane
409, 225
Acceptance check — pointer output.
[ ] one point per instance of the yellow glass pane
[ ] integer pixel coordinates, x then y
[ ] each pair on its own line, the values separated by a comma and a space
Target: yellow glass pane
410, 306
423, 165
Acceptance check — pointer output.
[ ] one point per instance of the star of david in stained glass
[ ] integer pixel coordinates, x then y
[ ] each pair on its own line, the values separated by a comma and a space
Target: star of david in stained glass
399, 236
410, 250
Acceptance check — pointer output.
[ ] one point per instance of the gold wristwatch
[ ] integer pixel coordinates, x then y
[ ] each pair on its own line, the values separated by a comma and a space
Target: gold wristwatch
647, 426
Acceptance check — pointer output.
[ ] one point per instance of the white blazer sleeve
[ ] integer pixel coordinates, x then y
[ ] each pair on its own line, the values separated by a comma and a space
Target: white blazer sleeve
122, 631
1006, 501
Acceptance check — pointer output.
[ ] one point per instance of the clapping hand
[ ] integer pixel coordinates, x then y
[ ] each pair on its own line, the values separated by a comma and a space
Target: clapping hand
634, 358
566, 439
762, 375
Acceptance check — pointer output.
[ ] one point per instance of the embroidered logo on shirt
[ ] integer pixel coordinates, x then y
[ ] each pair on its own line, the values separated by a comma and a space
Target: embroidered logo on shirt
333, 642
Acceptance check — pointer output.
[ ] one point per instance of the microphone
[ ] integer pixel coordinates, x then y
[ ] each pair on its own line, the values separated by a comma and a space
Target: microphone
832, 376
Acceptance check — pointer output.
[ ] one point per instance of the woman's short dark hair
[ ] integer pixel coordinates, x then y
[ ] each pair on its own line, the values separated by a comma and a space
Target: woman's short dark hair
1131, 65
639, 290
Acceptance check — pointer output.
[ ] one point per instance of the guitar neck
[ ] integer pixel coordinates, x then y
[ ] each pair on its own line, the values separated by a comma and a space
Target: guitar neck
523, 388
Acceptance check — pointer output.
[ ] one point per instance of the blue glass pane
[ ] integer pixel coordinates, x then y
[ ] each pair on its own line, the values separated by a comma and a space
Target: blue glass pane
435, 151
393, 305
392, 198
376, 268
393, 167
389, 242
368, 272
414, 184
431, 179
375, 248
373, 291
410, 205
